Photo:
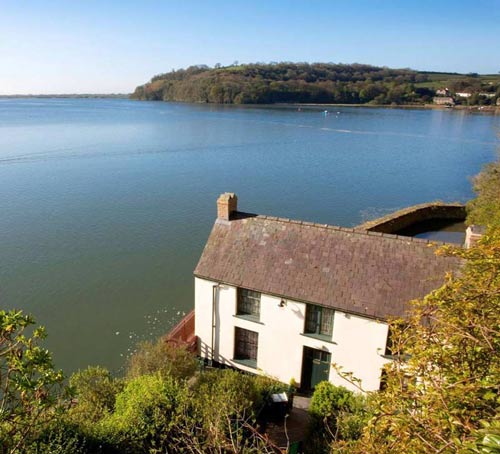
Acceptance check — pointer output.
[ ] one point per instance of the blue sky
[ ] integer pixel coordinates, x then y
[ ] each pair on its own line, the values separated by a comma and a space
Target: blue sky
94, 46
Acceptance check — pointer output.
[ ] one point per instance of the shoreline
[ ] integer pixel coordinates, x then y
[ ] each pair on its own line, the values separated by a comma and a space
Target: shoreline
476, 108
395, 106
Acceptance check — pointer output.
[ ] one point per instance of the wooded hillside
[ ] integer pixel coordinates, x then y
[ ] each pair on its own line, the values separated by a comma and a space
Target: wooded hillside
305, 83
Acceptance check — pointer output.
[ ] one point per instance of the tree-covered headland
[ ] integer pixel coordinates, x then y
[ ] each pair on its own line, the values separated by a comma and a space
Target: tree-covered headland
261, 83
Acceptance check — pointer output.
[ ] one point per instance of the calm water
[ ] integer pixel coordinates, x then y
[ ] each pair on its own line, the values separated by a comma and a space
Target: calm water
106, 204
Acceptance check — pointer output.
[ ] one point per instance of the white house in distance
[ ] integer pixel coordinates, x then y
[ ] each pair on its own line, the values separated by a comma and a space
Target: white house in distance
289, 298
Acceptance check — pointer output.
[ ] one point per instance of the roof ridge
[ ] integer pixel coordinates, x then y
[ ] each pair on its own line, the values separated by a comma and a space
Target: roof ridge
353, 230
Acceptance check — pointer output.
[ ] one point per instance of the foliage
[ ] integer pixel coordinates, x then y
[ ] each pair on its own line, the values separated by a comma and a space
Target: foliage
488, 439
146, 414
305, 83
153, 413
95, 390
59, 438
222, 396
328, 400
283, 82
162, 357
225, 404
337, 416
29, 385
485, 208
155, 409
266, 385
447, 382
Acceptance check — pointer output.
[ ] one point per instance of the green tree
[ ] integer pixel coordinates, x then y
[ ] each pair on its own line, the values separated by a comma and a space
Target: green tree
30, 388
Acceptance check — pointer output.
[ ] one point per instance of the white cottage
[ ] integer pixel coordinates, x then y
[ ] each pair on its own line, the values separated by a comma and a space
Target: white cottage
289, 298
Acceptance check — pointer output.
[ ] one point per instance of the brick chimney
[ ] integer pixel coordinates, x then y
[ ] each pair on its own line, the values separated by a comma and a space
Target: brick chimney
227, 203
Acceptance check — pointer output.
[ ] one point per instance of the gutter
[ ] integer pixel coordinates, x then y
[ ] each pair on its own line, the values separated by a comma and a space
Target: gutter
298, 300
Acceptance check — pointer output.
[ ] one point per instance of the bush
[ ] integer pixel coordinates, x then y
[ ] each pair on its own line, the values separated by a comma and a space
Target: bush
163, 358
225, 403
95, 390
156, 413
59, 438
265, 386
337, 415
328, 400
147, 414
225, 391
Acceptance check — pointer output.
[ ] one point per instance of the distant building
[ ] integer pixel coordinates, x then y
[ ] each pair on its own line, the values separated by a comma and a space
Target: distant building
487, 95
289, 298
443, 92
443, 100
463, 94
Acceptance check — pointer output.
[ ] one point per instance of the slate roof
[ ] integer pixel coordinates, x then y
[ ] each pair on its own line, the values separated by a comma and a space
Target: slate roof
368, 273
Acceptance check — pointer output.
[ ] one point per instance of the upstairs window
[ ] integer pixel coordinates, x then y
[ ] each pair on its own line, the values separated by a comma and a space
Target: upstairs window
245, 346
248, 303
319, 320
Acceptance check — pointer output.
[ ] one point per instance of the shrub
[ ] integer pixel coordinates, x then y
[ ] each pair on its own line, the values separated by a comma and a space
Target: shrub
226, 390
162, 357
147, 413
95, 390
328, 400
225, 404
265, 386
337, 415
59, 438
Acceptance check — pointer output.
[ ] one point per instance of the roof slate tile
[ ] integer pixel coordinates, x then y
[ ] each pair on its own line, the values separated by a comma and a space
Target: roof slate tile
374, 275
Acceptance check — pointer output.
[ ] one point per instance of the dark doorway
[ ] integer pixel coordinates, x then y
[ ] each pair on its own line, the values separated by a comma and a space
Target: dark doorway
315, 368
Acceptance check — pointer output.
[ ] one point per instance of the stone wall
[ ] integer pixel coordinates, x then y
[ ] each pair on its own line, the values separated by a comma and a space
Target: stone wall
406, 217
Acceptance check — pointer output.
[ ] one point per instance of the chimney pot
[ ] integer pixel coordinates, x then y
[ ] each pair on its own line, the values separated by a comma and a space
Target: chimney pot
227, 204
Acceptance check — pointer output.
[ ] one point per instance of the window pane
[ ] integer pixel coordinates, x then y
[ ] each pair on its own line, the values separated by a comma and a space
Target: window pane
326, 326
319, 320
325, 357
312, 318
246, 343
248, 302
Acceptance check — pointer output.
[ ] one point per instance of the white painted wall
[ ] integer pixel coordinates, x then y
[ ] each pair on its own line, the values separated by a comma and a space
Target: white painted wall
357, 342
